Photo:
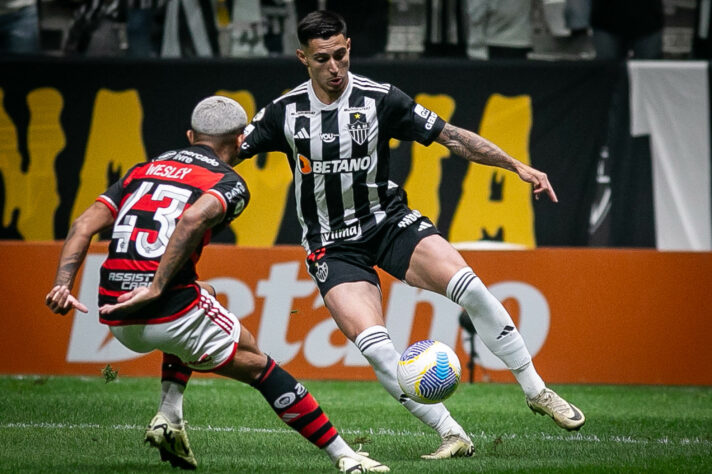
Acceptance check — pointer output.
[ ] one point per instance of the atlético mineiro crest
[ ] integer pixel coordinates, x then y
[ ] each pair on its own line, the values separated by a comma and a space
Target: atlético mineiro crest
322, 271
358, 127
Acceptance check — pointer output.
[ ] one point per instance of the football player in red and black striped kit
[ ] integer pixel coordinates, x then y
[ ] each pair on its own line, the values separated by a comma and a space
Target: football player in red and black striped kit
186, 194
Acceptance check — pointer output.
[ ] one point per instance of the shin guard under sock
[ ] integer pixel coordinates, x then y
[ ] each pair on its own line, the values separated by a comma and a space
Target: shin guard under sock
174, 378
495, 328
294, 405
377, 347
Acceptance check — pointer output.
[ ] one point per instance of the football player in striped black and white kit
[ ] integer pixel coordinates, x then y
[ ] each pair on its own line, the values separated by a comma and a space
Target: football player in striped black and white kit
335, 129
162, 213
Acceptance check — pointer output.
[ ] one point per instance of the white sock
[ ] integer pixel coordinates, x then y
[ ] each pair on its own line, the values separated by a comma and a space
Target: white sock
375, 344
172, 401
495, 327
338, 448
529, 380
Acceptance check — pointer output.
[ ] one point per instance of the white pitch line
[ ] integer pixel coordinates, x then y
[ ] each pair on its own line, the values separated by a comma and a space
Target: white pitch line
574, 437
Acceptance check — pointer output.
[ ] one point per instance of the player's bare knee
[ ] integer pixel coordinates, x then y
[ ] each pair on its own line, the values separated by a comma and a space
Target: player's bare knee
245, 366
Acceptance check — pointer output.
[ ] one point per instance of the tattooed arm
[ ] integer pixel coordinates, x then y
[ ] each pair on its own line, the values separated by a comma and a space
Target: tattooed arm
196, 220
477, 149
201, 216
92, 221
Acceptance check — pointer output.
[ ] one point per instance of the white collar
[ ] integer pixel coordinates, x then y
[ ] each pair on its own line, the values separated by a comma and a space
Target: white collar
317, 103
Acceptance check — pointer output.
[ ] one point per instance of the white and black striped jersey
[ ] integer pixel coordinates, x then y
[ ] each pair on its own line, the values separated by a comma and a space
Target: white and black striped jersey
339, 153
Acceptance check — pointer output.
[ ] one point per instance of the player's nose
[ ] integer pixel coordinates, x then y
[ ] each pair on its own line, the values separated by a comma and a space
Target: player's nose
333, 66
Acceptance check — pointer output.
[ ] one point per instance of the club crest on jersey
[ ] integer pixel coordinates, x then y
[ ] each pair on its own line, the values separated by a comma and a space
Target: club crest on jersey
358, 127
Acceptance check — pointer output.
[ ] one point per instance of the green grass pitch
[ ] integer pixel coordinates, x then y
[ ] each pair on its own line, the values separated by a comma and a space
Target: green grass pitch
73, 424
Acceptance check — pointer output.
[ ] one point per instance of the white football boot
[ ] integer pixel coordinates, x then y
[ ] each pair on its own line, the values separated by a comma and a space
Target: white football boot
171, 441
360, 462
564, 414
452, 446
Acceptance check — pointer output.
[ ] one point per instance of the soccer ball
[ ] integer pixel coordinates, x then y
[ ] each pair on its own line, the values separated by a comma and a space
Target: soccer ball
428, 371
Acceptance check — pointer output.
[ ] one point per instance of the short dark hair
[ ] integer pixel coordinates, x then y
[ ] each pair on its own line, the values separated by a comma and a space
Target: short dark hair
320, 24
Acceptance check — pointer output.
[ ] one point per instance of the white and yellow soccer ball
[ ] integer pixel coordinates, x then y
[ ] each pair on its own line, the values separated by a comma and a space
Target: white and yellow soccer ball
428, 371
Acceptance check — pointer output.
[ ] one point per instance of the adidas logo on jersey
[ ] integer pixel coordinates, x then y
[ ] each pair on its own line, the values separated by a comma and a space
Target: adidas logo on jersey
302, 134
424, 225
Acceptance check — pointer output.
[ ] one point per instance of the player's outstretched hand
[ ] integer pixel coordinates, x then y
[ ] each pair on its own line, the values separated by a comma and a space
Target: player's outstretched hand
539, 180
130, 302
60, 301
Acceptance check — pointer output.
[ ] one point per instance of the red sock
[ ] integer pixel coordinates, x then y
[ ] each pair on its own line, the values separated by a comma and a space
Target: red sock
173, 370
295, 405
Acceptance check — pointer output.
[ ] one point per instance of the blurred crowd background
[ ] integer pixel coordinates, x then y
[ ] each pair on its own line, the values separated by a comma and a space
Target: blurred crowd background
476, 29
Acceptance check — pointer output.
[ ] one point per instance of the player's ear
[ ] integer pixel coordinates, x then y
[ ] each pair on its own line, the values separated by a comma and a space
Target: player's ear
239, 139
190, 135
302, 57
348, 44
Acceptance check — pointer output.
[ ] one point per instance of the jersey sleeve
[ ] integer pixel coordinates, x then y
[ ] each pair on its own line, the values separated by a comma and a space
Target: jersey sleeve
408, 120
111, 198
265, 132
232, 192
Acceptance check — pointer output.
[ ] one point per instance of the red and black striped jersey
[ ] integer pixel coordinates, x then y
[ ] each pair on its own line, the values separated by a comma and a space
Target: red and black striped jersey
147, 204
339, 154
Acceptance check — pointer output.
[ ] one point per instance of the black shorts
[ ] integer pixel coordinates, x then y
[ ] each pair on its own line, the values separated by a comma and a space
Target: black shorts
390, 247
